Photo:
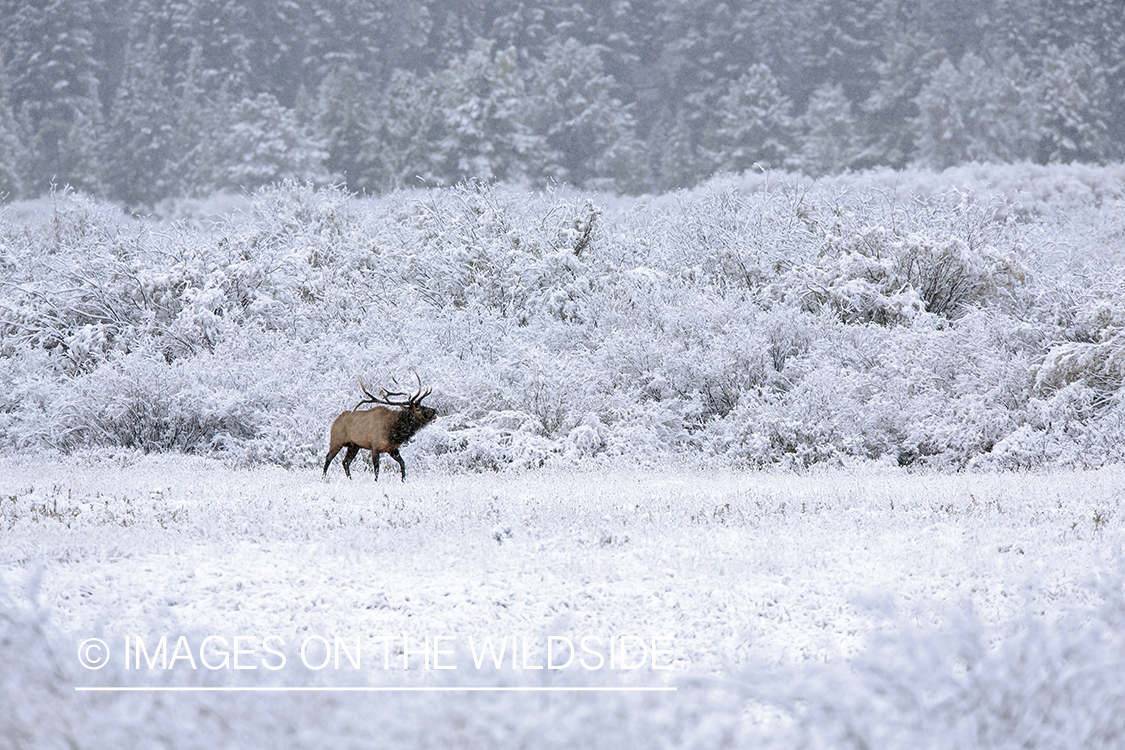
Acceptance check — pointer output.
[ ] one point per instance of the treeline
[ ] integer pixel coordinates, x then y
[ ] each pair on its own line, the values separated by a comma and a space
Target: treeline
142, 100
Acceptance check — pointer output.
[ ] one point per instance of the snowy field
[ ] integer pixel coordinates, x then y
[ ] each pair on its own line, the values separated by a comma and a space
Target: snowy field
836, 608
783, 465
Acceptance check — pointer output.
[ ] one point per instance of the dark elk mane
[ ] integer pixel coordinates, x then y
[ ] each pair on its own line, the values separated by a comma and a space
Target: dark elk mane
405, 427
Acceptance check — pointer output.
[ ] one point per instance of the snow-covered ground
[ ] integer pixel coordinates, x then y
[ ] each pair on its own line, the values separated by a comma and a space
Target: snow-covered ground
961, 610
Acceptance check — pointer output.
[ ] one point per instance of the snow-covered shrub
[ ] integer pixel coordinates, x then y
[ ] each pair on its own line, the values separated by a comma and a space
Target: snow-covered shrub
89, 282
142, 402
77, 284
506, 439
939, 257
587, 439
1041, 682
1075, 426
1024, 188
859, 288
829, 402
740, 243
511, 253
796, 324
1097, 355
967, 386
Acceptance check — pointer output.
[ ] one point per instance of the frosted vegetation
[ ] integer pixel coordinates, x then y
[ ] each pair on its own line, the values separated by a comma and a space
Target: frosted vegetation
683, 415
847, 609
753, 321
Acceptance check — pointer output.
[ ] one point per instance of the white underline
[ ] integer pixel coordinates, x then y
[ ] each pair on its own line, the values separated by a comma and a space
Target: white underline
375, 689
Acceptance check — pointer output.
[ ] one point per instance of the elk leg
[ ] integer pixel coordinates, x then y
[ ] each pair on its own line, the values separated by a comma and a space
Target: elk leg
349, 457
401, 463
331, 455
375, 455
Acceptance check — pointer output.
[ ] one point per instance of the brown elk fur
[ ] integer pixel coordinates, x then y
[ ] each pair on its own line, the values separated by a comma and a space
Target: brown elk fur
379, 429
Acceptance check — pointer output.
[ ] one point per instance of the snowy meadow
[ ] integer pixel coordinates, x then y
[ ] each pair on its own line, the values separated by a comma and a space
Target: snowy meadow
840, 609
838, 461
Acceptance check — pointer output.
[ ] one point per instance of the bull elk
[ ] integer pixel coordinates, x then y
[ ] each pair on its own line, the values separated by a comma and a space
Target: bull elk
381, 429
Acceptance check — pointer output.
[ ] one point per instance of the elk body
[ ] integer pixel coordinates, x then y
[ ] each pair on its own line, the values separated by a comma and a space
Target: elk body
383, 428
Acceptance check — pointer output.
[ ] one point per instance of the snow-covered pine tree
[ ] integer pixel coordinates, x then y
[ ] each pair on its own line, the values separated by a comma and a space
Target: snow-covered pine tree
139, 144
197, 126
891, 109
345, 123
828, 133
754, 123
974, 112
485, 112
11, 151
941, 136
844, 37
402, 150
1002, 117
216, 36
679, 163
590, 135
265, 144
1073, 106
54, 91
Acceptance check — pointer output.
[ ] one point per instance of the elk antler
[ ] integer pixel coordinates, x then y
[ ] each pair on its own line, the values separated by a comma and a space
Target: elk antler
416, 399
370, 398
393, 398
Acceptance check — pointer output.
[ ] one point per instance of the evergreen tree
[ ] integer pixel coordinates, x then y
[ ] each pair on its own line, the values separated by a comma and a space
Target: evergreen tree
139, 146
845, 42
1003, 115
564, 94
1073, 107
622, 168
958, 26
525, 26
265, 144
828, 126
941, 132
345, 123
1038, 29
890, 112
589, 134
11, 150
778, 34
276, 51
976, 112
679, 163
403, 148
215, 38
701, 46
53, 90
483, 105
754, 124
373, 37
198, 127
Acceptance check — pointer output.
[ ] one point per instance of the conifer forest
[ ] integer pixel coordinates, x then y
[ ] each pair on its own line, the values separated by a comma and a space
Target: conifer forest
141, 100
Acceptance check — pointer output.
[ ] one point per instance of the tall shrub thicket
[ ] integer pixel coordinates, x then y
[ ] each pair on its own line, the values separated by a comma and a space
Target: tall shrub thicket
789, 325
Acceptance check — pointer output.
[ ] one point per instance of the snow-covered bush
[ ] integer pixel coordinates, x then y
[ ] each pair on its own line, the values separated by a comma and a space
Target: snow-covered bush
1039, 680
939, 256
1047, 682
1097, 356
793, 324
739, 243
